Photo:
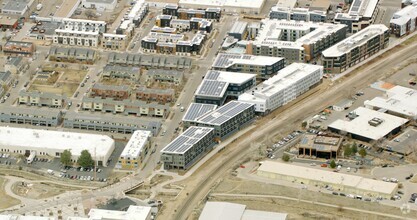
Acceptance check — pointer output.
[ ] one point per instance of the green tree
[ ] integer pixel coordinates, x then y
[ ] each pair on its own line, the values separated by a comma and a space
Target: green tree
362, 152
332, 164
354, 148
348, 151
85, 159
66, 158
285, 157
304, 124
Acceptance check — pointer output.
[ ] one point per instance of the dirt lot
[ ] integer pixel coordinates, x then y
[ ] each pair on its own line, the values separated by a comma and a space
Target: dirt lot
39, 190
159, 179
5, 200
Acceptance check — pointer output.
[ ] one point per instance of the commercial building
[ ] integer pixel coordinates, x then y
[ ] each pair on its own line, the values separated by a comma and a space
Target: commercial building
398, 101
319, 146
228, 118
355, 48
404, 21
160, 75
238, 6
346, 183
16, 65
32, 116
114, 41
194, 111
150, 61
121, 72
286, 3
297, 14
36, 98
8, 23
16, 7
239, 30
263, 66
133, 155
132, 213
114, 124
287, 85
162, 96
188, 148
362, 13
110, 91
82, 55
368, 125
44, 30
296, 41
18, 48
100, 5
319, 5
234, 211
342, 105
212, 14
217, 86
53, 143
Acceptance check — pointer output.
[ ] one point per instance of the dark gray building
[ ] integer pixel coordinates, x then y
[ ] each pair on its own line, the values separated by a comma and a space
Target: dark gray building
150, 61
194, 111
32, 116
239, 30
297, 14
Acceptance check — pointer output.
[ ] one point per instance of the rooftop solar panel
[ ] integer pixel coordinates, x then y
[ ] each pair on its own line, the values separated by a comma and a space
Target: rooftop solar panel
186, 140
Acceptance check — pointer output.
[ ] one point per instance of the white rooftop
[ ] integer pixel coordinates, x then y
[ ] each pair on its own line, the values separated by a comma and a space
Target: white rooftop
361, 183
286, 3
364, 8
356, 40
225, 60
132, 213
401, 100
21, 217
136, 143
360, 125
97, 145
257, 4
402, 16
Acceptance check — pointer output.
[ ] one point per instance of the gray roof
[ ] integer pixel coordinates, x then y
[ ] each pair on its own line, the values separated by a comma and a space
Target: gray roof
186, 140
174, 73
123, 69
239, 27
212, 88
30, 111
128, 121
149, 60
15, 61
4, 76
19, 43
196, 110
155, 91
100, 1
45, 95
110, 87
126, 102
224, 113
16, 5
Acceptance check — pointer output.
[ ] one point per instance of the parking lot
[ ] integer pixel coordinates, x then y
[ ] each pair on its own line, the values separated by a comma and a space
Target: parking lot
404, 144
404, 76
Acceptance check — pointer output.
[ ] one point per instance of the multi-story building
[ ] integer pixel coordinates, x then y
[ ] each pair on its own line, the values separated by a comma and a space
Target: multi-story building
82, 55
297, 14
37, 98
183, 13
239, 30
18, 48
194, 111
284, 87
83, 25
79, 32
32, 116
110, 91
163, 20
263, 66
138, 146
188, 148
155, 95
167, 30
217, 86
138, 12
362, 13
114, 124
228, 118
126, 107
100, 5
150, 61
114, 41
121, 72
230, 6
16, 65
16, 7
160, 75
404, 21
319, 146
355, 48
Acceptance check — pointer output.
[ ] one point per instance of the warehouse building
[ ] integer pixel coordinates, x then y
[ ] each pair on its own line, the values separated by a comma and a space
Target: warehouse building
217, 86
368, 125
297, 14
31, 116
239, 30
133, 212
287, 85
149, 61
356, 48
188, 148
228, 118
346, 183
16, 7
362, 13
319, 146
404, 21
263, 66
398, 101
238, 6
138, 146
100, 5
194, 111
234, 211
53, 143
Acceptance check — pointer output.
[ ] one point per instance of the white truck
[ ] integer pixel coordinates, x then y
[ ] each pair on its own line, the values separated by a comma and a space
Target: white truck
32, 155
39, 7
51, 172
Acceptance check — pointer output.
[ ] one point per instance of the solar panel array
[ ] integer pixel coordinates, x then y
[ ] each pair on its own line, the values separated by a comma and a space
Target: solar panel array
356, 6
212, 88
196, 110
224, 113
187, 140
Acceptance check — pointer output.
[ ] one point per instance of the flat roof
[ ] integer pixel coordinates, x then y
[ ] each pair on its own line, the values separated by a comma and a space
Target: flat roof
52, 112
402, 16
24, 217
222, 210
398, 99
15, 5
139, 5
262, 215
286, 3
114, 120
136, 143
98, 145
5, 20
224, 113
354, 41
186, 140
360, 125
225, 3
364, 8
358, 182
239, 27
225, 60
132, 213
195, 110
320, 143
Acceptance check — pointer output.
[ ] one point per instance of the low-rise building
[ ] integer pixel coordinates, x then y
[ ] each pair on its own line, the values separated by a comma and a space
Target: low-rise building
227, 210
362, 13
287, 85
100, 5
16, 65
194, 111
6, 79
297, 14
185, 150
138, 146
342, 105
138, 12
404, 21
40, 99
121, 72
82, 55
24, 217
239, 30
79, 32
132, 213
319, 146
114, 41
18, 48
110, 91
31, 116
185, 13
355, 48
161, 75
155, 95
150, 61
16, 7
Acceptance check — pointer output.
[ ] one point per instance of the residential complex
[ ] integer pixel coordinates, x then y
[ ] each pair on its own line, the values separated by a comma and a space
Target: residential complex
78, 32
195, 111
110, 91
297, 14
187, 14
150, 61
121, 72
31, 116
16, 65
188, 148
236, 6
115, 41
404, 21
355, 48
362, 13
82, 55
40, 99
100, 5
287, 85
18, 48
169, 76
162, 96
133, 155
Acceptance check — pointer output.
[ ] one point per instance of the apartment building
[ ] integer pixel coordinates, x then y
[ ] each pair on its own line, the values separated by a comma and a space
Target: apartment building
138, 146
263, 66
121, 72
297, 14
83, 25
110, 91
404, 21
287, 85
16, 65
36, 98
355, 48
213, 14
31, 116
125, 107
114, 41
188, 148
161, 75
18, 48
72, 55
150, 61
362, 13
114, 124
78, 32
195, 111
162, 96
138, 12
